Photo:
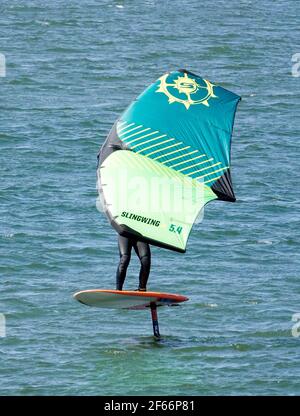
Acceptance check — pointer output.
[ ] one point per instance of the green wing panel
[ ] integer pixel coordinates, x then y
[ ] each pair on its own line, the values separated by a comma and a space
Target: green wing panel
150, 200
180, 117
166, 157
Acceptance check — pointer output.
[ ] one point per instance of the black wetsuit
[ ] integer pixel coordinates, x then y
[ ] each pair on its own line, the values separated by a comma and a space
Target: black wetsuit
143, 252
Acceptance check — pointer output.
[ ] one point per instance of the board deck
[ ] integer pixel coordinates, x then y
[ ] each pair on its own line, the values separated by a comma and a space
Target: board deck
126, 299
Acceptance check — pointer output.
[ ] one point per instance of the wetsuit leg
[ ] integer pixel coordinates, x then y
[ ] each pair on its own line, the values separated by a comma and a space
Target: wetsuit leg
125, 246
144, 254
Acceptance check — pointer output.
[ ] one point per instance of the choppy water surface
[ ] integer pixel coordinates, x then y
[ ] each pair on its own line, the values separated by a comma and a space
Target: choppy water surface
72, 67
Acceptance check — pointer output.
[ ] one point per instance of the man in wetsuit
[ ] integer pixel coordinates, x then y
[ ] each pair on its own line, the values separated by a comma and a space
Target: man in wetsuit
143, 252
112, 144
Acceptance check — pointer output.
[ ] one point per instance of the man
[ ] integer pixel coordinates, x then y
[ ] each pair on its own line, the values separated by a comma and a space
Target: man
112, 144
143, 252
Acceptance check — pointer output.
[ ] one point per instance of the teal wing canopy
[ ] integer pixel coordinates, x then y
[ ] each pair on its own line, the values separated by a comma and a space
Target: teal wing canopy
178, 129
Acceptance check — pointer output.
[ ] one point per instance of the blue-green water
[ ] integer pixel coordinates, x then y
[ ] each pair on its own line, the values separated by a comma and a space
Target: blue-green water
72, 67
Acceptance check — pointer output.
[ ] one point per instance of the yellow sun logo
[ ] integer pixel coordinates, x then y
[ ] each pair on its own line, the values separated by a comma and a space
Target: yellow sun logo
195, 92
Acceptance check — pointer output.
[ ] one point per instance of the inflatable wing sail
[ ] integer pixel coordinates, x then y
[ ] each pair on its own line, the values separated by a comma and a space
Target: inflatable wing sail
166, 157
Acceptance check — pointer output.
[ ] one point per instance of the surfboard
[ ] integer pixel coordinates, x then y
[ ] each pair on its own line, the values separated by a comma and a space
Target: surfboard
127, 299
